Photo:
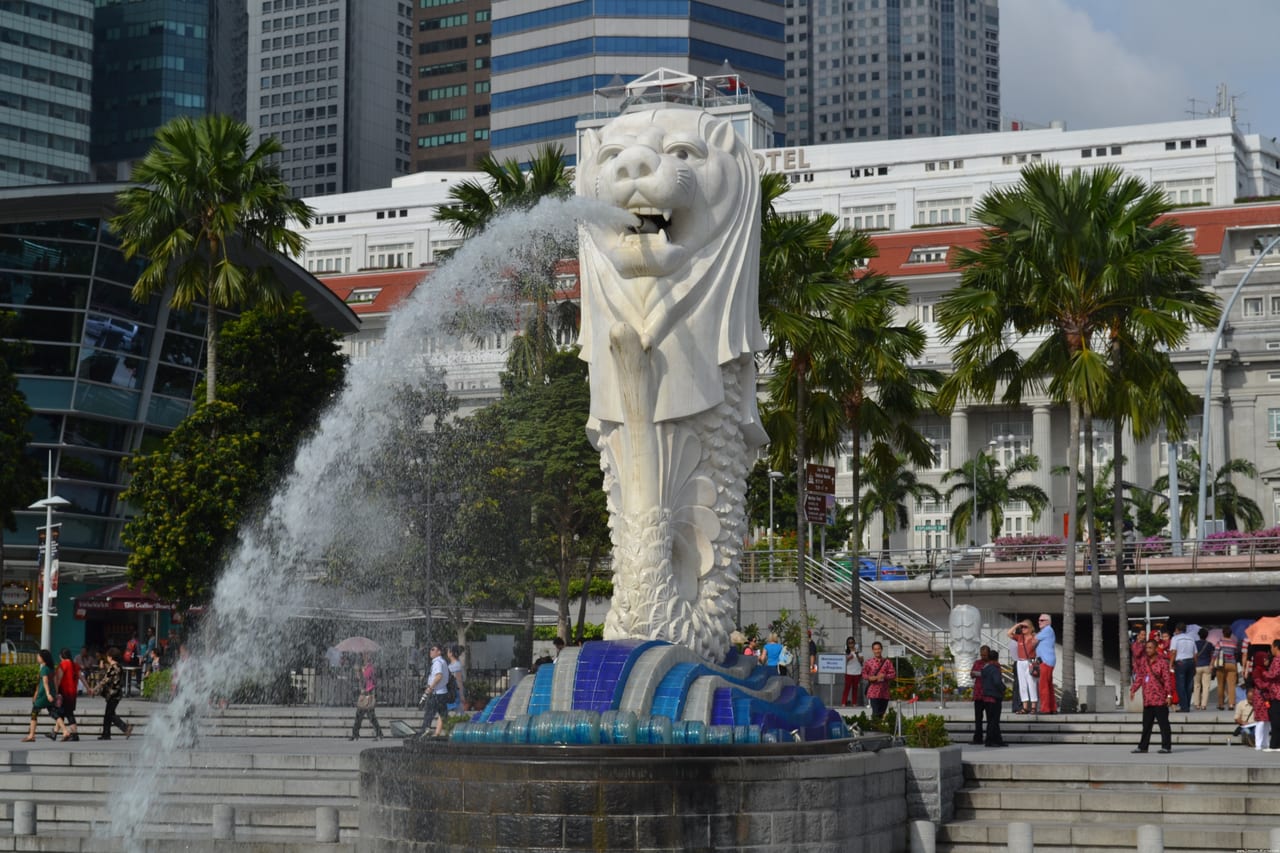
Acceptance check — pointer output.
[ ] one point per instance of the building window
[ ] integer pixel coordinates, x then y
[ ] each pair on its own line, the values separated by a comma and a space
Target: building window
1273, 424
1252, 306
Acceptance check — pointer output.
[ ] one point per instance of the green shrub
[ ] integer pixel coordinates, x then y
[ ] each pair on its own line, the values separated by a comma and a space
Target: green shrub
156, 686
19, 679
927, 732
865, 724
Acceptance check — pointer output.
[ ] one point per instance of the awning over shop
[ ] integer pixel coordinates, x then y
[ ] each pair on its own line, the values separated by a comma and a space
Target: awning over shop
119, 597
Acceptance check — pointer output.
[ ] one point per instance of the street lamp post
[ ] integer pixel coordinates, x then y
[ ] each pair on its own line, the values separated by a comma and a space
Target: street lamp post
774, 476
48, 504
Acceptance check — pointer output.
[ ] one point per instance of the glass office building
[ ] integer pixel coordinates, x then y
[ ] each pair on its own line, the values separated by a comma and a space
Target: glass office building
45, 75
549, 62
106, 376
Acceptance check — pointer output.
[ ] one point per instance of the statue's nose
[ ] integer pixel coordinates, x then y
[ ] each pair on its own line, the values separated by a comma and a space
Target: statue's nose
636, 162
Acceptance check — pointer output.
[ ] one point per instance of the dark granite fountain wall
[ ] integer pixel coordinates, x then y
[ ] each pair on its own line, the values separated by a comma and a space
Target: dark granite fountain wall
781, 798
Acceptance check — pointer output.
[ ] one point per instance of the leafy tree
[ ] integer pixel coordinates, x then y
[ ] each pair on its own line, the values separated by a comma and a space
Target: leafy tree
1067, 260
1102, 494
806, 269
202, 195
891, 481
189, 497
1227, 503
995, 488
281, 369
784, 498
508, 188
547, 430
20, 473
225, 459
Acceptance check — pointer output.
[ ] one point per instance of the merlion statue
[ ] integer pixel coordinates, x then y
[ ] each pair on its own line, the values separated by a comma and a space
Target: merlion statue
670, 326
966, 639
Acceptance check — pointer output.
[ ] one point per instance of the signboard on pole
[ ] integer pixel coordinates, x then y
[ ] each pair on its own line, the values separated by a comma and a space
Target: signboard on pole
52, 592
820, 479
831, 663
815, 508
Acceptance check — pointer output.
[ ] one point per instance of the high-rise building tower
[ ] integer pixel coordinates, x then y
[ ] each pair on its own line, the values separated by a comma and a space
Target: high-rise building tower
46, 70
549, 62
333, 81
155, 60
451, 84
887, 69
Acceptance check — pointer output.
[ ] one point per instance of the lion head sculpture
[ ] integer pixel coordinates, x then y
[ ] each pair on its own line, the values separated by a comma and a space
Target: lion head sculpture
683, 269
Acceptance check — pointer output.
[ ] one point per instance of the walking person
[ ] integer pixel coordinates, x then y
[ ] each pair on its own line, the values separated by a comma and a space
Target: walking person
852, 673
68, 687
454, 653
1269, 695
992, 697
1151, 673
878, 673
111, 688
1183, 649
433, 696
1204, 671
979, 705
366, 704
45, 698
1047, 653
1225, 663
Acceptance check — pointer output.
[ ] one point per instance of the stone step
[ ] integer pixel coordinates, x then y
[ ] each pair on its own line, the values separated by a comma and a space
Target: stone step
1074, 836
246, 842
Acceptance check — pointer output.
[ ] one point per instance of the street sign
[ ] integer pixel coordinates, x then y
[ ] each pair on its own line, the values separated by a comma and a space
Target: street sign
815, 508
831, 663
820, 479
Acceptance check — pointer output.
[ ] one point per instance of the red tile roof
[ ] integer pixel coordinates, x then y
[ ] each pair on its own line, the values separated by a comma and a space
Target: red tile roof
393, 286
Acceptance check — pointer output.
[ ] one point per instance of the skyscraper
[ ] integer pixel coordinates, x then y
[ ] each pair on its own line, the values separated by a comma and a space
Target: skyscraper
45, 75
155, 60
333, 81
887, 69
548, 63
451, 102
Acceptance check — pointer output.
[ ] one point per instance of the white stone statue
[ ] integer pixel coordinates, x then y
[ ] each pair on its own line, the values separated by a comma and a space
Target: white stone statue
966, 640
670, 325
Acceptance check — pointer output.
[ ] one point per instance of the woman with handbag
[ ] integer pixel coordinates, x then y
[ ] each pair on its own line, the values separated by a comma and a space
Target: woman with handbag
45, 699
366, 704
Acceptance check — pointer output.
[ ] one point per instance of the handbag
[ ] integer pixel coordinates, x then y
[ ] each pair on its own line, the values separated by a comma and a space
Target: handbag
1034, 666
365, 702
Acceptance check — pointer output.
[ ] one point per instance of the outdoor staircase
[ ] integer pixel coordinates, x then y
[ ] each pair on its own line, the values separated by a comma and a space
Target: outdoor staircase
881, 611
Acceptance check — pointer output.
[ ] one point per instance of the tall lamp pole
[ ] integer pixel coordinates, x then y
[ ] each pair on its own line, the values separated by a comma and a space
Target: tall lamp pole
774, 476
48, 504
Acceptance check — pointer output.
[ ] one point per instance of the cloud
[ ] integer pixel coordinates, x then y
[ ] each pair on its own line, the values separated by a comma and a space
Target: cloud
1056, 63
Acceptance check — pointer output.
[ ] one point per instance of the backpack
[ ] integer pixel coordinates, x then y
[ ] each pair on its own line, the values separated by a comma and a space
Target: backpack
451, 689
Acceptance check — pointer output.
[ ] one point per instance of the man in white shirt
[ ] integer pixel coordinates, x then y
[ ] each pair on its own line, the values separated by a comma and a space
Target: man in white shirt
433, 694
1183, 648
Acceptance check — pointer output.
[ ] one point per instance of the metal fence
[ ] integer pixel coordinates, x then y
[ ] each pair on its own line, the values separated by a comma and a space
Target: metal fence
398, 687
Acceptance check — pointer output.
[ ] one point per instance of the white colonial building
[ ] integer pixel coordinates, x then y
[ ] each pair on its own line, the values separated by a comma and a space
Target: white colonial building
916, 196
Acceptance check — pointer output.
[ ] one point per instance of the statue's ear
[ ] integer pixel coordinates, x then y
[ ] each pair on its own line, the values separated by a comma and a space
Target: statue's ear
720, 134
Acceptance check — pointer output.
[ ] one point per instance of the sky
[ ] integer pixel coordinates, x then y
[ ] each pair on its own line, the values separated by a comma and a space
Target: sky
1100, 63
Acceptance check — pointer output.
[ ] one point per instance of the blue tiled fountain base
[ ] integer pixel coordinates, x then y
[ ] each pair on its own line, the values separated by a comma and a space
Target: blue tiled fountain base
651, 692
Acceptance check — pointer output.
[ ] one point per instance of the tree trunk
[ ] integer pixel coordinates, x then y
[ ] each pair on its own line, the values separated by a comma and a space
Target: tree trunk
1117, 522
802, 404
1095, 576
1069, 571
527, 651
563, 626
855, 582
211, 354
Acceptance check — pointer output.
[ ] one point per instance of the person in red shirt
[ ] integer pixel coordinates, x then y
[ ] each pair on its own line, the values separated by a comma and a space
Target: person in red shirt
979, 705
1151, 673
68, 684
878, 673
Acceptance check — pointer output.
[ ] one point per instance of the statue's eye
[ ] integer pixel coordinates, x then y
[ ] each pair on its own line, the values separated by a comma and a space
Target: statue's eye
685, 151
607, 153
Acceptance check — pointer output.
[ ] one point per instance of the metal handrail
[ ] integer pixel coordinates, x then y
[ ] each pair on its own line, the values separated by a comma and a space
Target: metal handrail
831, 580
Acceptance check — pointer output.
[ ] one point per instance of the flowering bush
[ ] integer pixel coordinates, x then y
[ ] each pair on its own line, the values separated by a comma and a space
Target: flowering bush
1222, 542
1028, 547
1266, 541
1154, 546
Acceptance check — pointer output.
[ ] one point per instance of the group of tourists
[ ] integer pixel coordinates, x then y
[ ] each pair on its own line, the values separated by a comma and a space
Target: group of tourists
58, 686
1033, 648
442, 693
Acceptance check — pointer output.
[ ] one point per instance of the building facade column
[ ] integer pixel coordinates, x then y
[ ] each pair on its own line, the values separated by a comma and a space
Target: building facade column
960, 455
1042, 447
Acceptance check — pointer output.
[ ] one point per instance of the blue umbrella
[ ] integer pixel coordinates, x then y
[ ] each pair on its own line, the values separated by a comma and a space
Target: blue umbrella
1238, 628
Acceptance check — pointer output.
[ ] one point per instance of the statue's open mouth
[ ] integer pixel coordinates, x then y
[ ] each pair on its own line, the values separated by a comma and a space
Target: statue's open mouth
650, 220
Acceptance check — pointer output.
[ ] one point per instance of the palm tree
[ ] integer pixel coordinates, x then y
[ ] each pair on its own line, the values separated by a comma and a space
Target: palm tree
1102, 493
1067, 260
508, 188
201, 195
995, 488
806, 270
1227, 504
888, 486
879, 393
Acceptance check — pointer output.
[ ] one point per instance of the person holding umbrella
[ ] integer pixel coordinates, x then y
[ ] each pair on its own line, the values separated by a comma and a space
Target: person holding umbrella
366, 704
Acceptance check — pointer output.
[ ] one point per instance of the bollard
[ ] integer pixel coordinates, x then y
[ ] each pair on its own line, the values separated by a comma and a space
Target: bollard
24, 817
224, 823
1020, 837
326, 824
1150, 838
924, 836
